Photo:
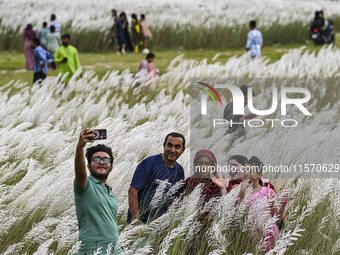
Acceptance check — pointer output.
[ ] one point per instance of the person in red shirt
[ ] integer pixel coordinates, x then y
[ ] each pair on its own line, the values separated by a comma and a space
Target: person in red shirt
205, 166
205, 173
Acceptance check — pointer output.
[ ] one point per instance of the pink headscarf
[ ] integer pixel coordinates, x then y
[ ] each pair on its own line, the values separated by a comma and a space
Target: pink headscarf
29, 32
210, 155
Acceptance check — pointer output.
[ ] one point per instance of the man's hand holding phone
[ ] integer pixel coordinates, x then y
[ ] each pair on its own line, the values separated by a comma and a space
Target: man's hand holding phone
85, 137
89, 136
98, 134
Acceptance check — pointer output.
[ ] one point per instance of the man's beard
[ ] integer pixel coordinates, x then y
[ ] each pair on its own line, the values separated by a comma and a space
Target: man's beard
99, 176
65, 44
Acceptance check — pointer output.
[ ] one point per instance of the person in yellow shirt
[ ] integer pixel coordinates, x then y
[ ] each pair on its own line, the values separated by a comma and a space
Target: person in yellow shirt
137, 37
66, 58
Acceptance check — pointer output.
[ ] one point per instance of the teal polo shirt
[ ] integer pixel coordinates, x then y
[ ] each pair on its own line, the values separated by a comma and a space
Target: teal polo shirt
96, 210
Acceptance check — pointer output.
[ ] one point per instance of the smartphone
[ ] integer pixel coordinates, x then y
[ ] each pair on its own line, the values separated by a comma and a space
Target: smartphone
99, 134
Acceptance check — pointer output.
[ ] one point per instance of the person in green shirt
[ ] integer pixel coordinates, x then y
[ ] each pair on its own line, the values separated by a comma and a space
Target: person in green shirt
96, 205
66, 58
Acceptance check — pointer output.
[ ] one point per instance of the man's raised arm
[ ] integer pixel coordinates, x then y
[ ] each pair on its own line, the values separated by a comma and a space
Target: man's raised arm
79, 160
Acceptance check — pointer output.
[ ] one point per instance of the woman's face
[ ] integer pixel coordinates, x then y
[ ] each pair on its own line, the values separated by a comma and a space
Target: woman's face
203, 166
235, 170
251, 172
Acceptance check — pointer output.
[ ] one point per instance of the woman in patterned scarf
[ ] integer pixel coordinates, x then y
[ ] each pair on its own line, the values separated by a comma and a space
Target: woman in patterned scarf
205, 166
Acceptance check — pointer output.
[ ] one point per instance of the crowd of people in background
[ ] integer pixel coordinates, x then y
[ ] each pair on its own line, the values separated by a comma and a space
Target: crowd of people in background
49, 37
120, 33
46, 49
125, 38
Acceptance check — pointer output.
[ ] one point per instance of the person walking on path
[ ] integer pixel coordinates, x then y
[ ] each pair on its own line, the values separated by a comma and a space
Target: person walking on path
147, 35
254, 40
40, 60
67, 59
127, 36
120, 25
113, 28
137, 37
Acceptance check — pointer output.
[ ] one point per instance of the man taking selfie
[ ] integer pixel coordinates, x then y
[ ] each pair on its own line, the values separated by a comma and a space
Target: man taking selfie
96, 205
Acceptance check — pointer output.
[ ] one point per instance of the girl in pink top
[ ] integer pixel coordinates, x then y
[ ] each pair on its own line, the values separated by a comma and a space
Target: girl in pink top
148, 69
147, 66
264, 204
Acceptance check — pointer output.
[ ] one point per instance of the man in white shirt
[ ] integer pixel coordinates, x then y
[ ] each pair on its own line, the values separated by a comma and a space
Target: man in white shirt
254, 40
55, 23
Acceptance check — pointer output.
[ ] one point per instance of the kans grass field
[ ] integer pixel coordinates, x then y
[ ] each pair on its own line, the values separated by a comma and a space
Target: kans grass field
40, 124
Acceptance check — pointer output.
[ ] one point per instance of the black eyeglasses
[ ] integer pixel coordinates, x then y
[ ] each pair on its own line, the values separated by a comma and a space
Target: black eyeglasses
97, 160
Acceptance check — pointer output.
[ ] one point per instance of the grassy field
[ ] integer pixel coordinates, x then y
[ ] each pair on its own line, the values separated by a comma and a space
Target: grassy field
12, 64
40, 127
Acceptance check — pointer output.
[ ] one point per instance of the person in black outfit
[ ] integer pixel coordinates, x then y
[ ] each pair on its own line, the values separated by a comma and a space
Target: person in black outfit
127, 34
